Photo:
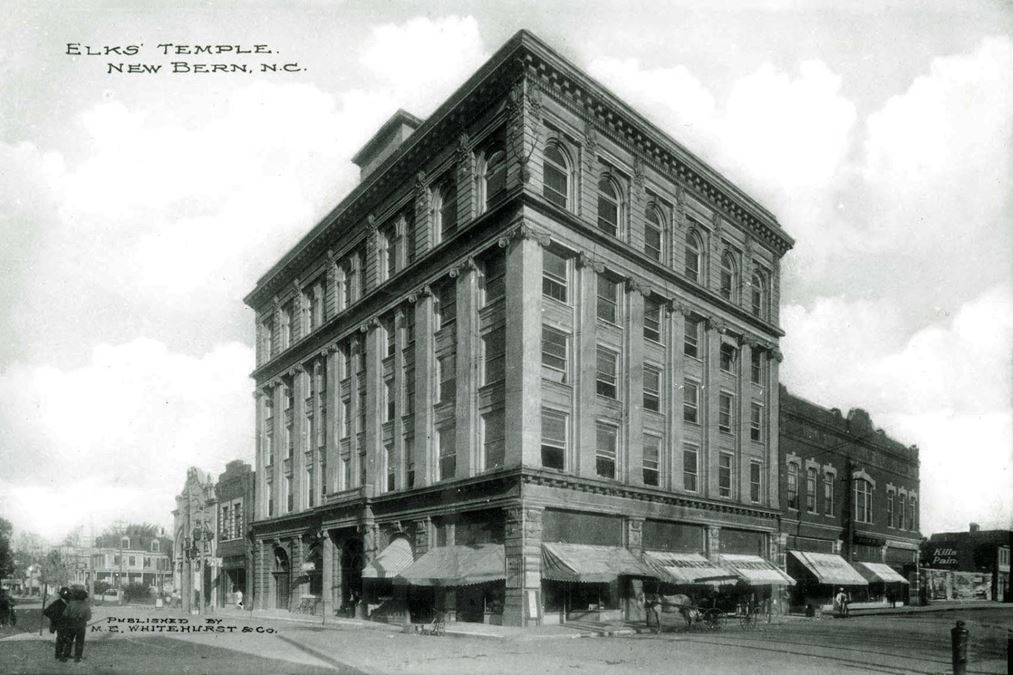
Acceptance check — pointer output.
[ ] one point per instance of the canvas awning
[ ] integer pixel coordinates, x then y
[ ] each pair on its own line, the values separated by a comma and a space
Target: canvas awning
756, 571
879, 573
829, 569
456, 566
391, 561
585, 563
687, 569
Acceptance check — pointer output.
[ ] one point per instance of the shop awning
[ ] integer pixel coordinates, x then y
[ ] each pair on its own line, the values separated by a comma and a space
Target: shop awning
756, 571
585, 563
879, 573
829, 568
456, 566
687, 569
391, 561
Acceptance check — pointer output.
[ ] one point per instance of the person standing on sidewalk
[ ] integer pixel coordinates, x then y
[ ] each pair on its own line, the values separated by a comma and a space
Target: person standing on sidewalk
76, 618
55, 615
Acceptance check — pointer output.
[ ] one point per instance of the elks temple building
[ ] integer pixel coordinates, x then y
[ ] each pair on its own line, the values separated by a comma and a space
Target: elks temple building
537, 341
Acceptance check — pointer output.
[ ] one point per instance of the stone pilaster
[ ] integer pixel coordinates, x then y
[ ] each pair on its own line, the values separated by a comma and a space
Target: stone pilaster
523, 550
710, 416
327, 575
676, 326
374, 414
425, 471
299, 386
743, 440
467, 202
468, 355
423, 216
713, 542
632, 469
523, 383
585, 350
635, 543
773, 427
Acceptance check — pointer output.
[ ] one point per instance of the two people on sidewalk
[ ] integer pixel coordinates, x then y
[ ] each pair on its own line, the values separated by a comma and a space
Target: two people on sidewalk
7, 615
68, 617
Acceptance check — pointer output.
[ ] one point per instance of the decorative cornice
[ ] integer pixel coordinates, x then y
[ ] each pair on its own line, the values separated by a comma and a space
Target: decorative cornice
717, 324
634, 284
585, 259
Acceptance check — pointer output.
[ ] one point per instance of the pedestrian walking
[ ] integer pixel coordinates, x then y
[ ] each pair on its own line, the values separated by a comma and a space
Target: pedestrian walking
841, 603
76, 618
652, 605
57, 624
239, 598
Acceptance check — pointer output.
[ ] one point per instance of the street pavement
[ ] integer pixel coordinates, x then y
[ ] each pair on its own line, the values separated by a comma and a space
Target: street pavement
912, 642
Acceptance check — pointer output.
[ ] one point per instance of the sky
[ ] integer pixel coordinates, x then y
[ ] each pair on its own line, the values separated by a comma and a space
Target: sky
137, 209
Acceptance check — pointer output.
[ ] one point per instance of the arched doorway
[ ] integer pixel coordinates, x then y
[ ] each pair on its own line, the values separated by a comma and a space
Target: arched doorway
353, 559
282, 578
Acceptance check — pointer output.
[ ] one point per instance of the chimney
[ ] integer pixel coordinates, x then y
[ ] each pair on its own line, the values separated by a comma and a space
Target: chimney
385, 142
975, 527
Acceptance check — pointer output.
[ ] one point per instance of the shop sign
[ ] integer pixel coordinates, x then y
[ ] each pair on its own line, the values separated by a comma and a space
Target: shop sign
942, 558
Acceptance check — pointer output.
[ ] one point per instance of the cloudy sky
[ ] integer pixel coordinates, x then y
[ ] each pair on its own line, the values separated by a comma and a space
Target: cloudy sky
136, 210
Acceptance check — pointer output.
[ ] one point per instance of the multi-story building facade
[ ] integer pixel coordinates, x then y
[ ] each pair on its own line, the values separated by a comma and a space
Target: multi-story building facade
967, 565
849, 497
234, 493
195, 541
134, 562
539, 336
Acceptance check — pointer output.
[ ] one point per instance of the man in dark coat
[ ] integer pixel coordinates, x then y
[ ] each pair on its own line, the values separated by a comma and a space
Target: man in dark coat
76, 618
55, 615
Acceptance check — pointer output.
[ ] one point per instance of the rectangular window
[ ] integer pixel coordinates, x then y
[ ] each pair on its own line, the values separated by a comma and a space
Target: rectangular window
606, 450
755, 474
409, 460
346, 473
446, 442
652, 389
691, 339
494, 346
361, 365
390, 399
362, 468
493, 278
725, 475
289, 496
410, 237
691, 402
390, 336
493, 439
346, 360
652, 320
652, 450
726, 412
793, 486
554, 352
553, 440
409, 390
362, 411
901, 520
756, 367
690, 471
553, 276
346, 418
810, 490
390, 465
652, 238
445, 305
828, 493
608, 299
445, 372
756, 422
728, 357
606, 374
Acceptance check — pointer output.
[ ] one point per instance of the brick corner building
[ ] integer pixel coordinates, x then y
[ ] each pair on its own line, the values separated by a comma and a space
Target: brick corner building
537, 341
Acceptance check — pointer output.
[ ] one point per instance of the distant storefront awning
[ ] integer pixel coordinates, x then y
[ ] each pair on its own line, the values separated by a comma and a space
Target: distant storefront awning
756, 571
829, 569
456, 566
585, 563
392, 561
688, 569
879, 573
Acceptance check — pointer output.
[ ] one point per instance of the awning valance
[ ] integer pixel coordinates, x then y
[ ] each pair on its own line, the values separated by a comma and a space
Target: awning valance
829, 569
585, 563
756, 571
687, 569
879, 573
391, 561
456, 566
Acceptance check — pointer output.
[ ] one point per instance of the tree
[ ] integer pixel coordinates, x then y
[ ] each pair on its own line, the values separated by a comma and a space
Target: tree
73, 537
55, 571
6, 552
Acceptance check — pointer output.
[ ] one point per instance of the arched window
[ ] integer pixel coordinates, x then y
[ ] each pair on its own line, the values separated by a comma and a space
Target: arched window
729, 276
863, 501
494, 174
758, 295
556, 175
694, 256
654, 233
444, 209
608, 206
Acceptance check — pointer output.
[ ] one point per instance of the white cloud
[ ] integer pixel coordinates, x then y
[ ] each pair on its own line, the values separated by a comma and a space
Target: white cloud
947, 389
126, 425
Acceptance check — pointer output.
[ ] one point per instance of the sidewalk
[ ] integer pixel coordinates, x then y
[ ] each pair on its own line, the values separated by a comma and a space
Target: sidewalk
939, 606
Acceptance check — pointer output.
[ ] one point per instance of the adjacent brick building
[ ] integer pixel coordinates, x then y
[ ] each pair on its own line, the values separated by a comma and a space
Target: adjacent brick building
539, 337
234, 493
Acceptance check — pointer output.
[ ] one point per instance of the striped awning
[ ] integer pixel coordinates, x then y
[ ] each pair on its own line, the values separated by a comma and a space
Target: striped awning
879, 573
689, 569
456, 566
756, 571
391, 561
829, 569
585, 563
